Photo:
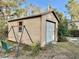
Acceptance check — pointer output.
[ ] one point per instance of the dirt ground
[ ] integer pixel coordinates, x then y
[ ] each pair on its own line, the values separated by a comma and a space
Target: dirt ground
62, 50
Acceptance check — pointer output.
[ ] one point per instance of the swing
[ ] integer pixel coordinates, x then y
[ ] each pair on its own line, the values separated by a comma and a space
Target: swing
7, 47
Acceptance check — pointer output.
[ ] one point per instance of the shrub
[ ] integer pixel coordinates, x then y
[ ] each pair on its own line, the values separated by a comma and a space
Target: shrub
36, 48
63, 30
74, 33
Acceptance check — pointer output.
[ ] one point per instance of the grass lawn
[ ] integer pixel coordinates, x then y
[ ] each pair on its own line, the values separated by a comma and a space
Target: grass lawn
61, 48
70, 47
67, 49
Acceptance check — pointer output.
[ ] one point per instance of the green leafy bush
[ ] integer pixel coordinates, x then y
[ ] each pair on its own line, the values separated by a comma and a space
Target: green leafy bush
74, 33
36, 48
63, 29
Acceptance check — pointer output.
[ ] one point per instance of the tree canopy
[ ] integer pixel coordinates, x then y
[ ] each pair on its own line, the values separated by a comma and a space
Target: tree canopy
9, 7
73, 9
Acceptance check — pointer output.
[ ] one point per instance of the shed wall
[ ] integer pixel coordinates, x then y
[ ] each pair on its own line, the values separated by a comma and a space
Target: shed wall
33, 27
52, 18
36, 28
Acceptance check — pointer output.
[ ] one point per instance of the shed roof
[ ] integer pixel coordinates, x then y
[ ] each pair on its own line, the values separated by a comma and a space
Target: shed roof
33, 16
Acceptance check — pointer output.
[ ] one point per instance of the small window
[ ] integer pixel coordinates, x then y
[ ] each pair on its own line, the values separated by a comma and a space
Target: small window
20, 26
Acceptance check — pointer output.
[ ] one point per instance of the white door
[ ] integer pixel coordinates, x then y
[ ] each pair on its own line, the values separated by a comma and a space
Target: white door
50, 32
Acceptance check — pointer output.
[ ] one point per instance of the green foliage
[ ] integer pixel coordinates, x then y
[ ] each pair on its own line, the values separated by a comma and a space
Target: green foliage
20, 12
63, 28
3, 28
2, 25
35, 49
9, 8
73, 9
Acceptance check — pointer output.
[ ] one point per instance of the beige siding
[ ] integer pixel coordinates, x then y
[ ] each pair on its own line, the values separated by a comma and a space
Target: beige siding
33, 27
50, 17
56, 29
11, 35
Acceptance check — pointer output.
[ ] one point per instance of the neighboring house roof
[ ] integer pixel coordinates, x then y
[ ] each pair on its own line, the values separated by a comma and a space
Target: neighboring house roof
33, 16
74, 21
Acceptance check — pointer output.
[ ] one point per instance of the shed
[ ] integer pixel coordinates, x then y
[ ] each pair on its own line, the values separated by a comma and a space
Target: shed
42, 28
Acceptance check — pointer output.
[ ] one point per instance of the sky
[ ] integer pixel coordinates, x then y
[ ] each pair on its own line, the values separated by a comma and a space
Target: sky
58, 4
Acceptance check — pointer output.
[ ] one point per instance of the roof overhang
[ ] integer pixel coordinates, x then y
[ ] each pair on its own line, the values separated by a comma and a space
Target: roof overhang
34, 16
